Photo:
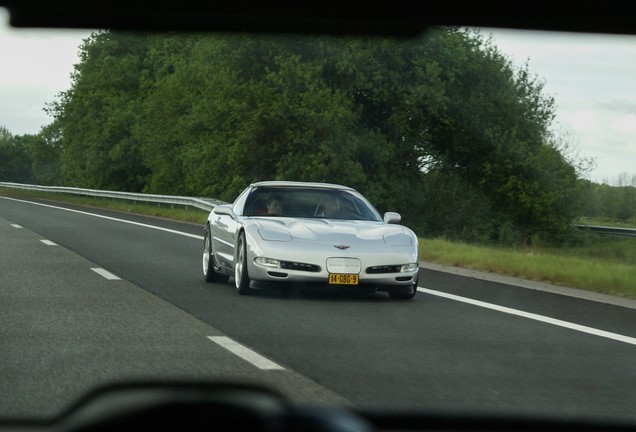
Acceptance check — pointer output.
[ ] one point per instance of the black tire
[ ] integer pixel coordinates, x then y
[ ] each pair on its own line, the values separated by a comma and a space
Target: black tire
241, 276
403, 293
406, 293
210, 273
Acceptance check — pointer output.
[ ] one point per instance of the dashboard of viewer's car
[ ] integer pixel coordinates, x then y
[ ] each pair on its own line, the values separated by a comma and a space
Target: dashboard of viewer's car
236, 406
228, 406
395, 18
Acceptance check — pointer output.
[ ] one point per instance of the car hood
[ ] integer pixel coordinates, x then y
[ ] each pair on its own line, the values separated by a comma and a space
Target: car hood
332, 231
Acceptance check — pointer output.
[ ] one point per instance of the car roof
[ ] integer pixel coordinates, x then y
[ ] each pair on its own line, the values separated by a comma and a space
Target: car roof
280, 183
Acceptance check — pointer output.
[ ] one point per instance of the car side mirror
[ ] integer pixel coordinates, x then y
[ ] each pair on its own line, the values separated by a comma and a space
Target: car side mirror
224, 210
392, 218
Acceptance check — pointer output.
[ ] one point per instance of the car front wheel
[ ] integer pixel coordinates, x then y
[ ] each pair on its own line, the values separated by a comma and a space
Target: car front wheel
210, 274
241, 276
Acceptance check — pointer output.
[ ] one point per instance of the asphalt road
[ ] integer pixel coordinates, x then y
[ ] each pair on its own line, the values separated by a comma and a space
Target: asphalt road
463, 344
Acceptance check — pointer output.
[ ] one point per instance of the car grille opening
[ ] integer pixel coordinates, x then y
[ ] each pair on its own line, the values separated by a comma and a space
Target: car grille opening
404, 278
289, 265
384, 269
277, 274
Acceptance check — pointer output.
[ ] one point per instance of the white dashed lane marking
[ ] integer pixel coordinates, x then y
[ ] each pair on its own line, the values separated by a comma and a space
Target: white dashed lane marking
104, 273
245, 353
49, 242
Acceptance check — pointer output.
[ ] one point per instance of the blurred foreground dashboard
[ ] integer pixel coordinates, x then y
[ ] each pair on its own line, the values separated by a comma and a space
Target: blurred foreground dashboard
187, 406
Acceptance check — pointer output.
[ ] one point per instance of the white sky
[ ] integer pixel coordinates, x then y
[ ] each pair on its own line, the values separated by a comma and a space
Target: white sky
591, 77
593, 81
35, 65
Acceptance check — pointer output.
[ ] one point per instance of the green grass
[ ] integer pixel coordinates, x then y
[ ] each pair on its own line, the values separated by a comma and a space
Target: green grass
596, 268
605, 264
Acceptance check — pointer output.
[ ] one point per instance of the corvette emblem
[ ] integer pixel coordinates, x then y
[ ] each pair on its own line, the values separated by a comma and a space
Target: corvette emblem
341, 247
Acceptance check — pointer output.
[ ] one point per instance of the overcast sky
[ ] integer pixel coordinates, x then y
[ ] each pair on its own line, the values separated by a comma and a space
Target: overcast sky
592, 78
593, 81
35, 65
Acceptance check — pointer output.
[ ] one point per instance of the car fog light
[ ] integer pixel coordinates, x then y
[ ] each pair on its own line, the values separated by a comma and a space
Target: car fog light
409, 267
267, 262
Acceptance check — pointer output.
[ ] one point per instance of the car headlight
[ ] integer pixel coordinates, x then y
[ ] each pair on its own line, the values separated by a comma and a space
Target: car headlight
409, 267
267, 262
398, 240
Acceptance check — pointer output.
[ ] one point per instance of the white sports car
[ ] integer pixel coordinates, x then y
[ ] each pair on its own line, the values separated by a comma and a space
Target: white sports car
309, 233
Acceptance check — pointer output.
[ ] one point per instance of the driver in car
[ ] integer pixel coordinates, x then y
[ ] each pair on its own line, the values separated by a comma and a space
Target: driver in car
275, 205
329, 207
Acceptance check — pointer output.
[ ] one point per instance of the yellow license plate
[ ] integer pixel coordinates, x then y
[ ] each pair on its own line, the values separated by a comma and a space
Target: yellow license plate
343, 279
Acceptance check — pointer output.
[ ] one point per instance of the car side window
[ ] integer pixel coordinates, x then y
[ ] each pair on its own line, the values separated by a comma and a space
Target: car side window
239, 203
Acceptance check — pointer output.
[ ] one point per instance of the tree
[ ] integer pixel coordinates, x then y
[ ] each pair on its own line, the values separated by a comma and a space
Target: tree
443, 129
15, 165
45, 153
493, 131
97, 114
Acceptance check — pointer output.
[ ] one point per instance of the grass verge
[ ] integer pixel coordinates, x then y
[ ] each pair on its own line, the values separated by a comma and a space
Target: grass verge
583, 267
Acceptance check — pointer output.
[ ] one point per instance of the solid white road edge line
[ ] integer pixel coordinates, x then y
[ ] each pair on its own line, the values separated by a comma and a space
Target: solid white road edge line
49, 242
532, 316
245, 353
109, 218
104, 273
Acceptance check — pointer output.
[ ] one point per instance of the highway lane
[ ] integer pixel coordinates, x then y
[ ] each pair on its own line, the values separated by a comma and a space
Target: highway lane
432, 352
67, 327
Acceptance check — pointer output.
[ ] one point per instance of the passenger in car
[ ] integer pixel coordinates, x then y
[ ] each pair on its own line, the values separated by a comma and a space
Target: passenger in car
275, 205
329, 207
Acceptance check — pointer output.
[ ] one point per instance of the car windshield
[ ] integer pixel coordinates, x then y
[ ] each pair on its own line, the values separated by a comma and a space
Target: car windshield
309, 203
501, 162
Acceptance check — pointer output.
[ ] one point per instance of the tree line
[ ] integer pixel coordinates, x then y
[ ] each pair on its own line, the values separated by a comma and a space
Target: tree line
617, 203
444, 129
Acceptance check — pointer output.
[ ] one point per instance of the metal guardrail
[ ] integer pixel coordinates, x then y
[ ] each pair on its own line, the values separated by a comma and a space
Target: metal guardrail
626, 232
202, 203
209, 203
